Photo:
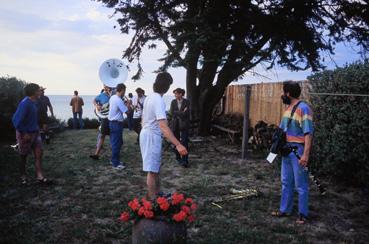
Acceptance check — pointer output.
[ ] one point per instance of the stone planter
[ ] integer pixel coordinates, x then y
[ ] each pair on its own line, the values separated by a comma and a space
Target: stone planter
158, 231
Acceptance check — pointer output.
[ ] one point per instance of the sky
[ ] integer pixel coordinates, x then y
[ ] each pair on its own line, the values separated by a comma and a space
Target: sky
61, 45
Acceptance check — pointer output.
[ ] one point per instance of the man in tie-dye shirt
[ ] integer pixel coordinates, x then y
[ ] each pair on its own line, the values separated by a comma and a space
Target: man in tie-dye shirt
299, 134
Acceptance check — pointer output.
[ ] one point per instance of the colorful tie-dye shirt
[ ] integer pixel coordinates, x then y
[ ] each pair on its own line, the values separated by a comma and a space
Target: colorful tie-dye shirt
301, 123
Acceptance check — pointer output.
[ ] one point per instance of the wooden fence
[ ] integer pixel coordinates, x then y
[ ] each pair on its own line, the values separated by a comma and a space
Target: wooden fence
265, 101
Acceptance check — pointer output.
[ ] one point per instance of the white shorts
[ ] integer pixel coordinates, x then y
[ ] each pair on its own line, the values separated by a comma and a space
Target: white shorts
150, 144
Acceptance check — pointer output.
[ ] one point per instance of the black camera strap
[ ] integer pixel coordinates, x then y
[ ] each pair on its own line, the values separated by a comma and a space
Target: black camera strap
292, 113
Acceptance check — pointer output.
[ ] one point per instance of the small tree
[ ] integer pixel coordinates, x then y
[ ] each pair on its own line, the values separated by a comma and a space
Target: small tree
218, 41
341, 140
11, 92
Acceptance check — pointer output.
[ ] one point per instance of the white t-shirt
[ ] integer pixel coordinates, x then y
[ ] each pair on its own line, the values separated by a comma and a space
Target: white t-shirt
117, 109
137, 112
154, 110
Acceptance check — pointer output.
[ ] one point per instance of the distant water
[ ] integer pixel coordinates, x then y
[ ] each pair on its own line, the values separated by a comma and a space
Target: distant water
63, 110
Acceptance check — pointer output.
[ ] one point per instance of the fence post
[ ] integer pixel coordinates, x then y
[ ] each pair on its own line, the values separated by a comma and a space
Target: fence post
246, 122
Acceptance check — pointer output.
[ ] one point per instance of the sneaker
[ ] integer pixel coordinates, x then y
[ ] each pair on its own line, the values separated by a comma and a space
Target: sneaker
120, 166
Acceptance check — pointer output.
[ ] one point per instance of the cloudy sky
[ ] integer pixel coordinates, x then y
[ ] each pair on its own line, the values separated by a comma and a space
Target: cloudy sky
61, 45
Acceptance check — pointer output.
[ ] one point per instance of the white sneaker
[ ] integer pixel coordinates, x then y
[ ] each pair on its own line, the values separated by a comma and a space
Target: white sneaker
120, 166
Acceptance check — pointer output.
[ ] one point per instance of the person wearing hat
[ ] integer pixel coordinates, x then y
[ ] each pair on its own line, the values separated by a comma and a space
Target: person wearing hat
44, 105
137, 104
180, 123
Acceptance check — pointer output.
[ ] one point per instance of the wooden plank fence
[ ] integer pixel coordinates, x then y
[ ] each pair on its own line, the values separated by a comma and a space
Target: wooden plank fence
265, 101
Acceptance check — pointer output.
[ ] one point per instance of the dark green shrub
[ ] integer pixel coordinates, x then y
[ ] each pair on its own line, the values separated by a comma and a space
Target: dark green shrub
341, 138
11, 93
87, 123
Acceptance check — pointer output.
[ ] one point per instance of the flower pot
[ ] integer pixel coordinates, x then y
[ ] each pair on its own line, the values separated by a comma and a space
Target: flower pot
158, 231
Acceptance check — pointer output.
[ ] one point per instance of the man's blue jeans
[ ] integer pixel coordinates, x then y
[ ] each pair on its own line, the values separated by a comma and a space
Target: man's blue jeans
77, 121
294, 176
116, 141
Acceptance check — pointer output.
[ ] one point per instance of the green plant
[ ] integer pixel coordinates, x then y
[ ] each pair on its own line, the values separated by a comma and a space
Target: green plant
341, 138
11, 93
87, 123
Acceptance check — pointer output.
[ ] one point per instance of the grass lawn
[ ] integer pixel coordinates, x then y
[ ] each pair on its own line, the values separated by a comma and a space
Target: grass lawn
84, 204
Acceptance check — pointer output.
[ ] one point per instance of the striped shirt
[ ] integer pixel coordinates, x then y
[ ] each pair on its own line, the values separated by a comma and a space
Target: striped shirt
301, 123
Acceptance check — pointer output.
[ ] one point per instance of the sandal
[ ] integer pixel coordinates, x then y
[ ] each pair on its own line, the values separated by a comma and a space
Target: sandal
302, 219
44, 181
23, 181
280, 214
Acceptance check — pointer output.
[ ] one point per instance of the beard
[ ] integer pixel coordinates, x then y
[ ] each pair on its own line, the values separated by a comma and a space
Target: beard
286, 99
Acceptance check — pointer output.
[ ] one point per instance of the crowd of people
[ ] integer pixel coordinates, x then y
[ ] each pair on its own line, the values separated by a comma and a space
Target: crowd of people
147, 116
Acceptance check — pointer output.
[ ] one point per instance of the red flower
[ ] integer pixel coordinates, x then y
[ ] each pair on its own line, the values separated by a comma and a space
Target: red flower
141, 211
180, 216
134, 205
188, 201
186, 209
147, 204
163, 203
177, 198
148, 214
191, 218
124, 216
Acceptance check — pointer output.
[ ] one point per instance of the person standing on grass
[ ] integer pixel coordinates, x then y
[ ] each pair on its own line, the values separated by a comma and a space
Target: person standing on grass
138, 104
130, 112
154, 125
117, 110
299, 133
180, 123
44, 105
99, 102
77, 102
25, 121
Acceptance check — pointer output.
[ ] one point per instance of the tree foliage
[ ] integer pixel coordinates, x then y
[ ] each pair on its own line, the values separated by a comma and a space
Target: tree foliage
217, 42
341, 139
11, 92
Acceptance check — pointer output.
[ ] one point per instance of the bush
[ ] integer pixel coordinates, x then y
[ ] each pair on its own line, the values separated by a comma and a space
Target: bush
11, 93
341, 138
87, 123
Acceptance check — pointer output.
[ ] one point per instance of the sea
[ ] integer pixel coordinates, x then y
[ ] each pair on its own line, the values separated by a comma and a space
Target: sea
63, 111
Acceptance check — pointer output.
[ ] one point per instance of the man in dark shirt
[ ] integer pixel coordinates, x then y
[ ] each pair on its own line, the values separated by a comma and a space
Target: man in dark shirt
180, 123
25, 121
43, 106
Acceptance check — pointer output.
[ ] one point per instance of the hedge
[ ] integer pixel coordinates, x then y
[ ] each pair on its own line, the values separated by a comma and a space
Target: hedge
11, 93
341, 137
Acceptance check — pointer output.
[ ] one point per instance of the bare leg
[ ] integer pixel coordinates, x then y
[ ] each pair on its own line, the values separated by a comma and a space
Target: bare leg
100, 143
38, 163
153, 185
22, 166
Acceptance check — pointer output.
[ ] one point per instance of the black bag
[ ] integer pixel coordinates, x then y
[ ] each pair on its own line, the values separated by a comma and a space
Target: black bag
279, 138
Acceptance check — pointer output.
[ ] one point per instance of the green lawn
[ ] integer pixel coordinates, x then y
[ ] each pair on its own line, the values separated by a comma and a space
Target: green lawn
84, 204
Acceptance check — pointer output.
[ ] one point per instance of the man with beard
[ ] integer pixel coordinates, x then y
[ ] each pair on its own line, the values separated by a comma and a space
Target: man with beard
299, 134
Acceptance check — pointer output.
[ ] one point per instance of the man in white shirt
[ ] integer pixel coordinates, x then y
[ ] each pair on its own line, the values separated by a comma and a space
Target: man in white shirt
116, 116
154, 125
138, 103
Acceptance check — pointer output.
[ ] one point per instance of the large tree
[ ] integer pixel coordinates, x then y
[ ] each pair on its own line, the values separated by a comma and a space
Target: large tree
217, 41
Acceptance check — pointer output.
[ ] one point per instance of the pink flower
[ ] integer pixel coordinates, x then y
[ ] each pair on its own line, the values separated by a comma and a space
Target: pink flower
188, 201
124, 216
148, 214
179, 216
